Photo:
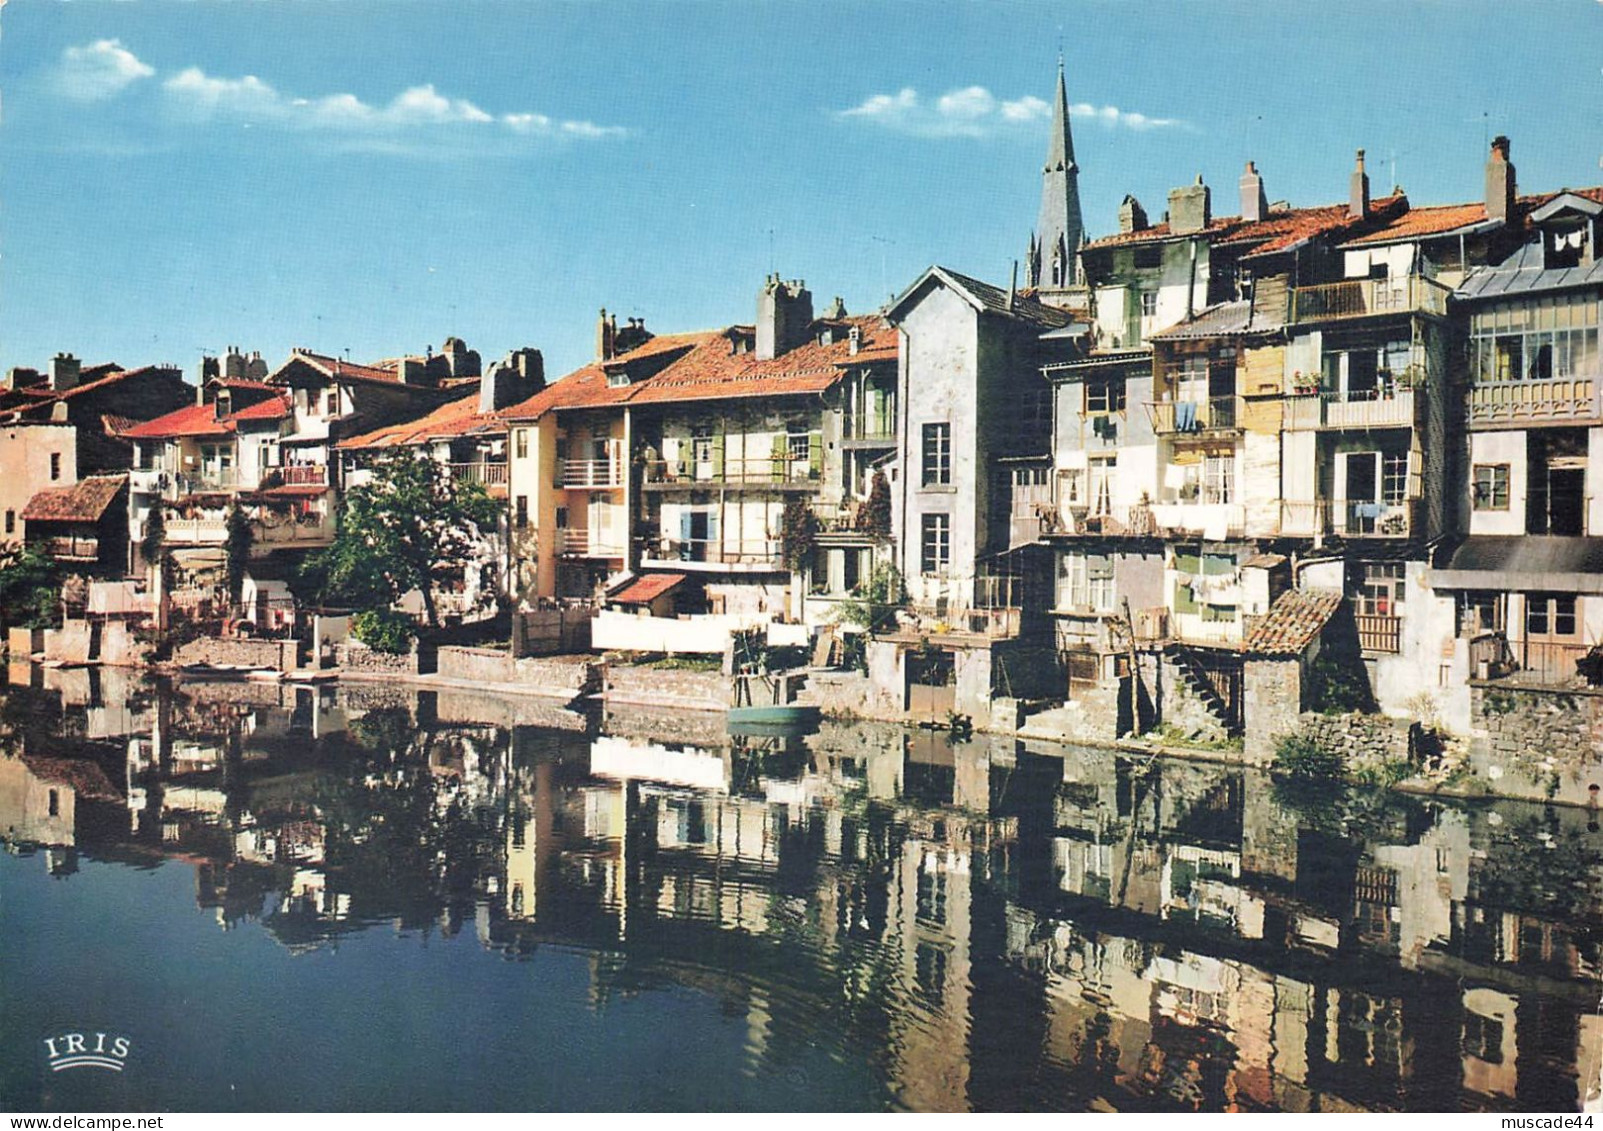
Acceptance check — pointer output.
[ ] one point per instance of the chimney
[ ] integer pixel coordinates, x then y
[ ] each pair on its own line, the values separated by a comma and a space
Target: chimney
520, 375
1132, 217
606, 333
234, 364
1358, 191
1190, 208
410, 370
64, 369
1500, 185
1013, 287
784, 313
1254, 204
854, 339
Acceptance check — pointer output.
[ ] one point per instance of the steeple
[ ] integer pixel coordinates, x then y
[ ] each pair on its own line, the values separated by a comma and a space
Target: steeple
1053, 263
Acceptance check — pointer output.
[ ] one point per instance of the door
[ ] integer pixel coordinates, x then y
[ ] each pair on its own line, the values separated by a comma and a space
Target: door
1566, 500
1552, 635
1362, 492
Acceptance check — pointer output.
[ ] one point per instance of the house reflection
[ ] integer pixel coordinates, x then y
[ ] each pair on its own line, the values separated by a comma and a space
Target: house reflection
994, 923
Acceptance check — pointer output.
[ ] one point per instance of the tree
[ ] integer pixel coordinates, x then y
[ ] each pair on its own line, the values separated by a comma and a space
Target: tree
798, 533
875, 517
413, 520
874, 603
30, 589
236, 550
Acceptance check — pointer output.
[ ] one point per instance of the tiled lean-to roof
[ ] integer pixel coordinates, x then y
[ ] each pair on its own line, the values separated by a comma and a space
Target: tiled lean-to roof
1293, 622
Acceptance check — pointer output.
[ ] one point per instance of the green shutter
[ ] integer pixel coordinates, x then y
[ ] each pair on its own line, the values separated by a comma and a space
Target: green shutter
815, 455
718, 456
1184, 600
781, 448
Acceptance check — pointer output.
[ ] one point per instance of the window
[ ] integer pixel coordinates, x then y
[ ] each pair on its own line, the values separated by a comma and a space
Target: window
1380, 592
520, 443
331, 403
1549, 614
1480, 612
937, 455
1104, 396
1218, 479
1491, 487
937, 543
11, 522
55, 803
1149, 304
562, 518
1535, 339
701, 443
55, 465
1394, 477
521, 511
1085, 581
800, 449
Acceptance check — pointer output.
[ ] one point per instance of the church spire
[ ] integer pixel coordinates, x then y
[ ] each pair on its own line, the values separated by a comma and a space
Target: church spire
1053, 264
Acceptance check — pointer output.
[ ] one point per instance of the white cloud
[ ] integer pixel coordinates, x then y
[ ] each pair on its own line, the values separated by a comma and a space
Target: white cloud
973, 111
99, 70
106, 68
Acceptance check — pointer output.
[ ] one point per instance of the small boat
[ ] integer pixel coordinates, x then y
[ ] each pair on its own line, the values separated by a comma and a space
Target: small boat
771, 718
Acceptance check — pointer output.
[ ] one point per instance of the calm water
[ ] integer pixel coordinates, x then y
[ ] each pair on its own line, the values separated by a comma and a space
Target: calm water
366, 898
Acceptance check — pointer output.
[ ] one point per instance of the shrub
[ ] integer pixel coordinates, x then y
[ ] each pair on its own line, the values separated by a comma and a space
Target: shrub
1298, 756
384, 630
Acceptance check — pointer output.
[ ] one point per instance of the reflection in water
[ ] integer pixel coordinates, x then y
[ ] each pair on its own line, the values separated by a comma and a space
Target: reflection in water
887, 919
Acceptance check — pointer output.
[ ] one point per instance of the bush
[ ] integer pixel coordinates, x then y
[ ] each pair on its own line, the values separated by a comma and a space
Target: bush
1298, 756
384, 630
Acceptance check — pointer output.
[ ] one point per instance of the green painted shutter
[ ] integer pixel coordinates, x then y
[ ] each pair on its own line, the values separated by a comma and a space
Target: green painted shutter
781, 447
815, 455
718, 456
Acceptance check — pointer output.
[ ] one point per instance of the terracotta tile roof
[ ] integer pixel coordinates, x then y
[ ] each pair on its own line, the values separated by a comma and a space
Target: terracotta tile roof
84, 501
43, 397
202, 420
587, 387
1442, 219
647, 589
460, 417
86, 779
1293, 623
1275, 232
116, 425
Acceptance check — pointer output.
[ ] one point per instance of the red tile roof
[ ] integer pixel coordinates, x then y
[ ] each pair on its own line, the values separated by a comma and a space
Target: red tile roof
348, 370
460, 417
84, 501
41, 397
202, 420
647, 589
86, 779
1294, 621
1440, 219
1274, 232
587, 386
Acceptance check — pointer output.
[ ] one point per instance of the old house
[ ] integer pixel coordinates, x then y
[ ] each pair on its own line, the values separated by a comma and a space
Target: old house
84, 527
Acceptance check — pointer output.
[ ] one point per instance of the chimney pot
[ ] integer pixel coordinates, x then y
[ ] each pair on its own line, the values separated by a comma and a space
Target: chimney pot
1501, 184
1358, 191
1254, 204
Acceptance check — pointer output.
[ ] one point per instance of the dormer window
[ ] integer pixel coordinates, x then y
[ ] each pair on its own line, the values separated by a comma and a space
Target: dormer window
617, 378
1565, 248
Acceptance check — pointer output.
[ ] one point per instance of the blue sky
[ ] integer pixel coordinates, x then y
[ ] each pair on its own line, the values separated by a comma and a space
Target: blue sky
372, 177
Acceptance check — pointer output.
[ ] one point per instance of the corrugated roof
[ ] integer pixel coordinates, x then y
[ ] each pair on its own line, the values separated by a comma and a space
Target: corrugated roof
84, 501
1294, 621
1524, 274
1524, 563
1223, 320
647, 589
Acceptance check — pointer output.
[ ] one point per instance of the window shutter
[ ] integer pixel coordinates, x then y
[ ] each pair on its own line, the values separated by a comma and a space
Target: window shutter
718, 456
815, 455
780, 448
684, 526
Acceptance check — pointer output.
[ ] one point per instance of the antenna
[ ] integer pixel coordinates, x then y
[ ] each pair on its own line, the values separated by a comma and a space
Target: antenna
883, 242
771, 267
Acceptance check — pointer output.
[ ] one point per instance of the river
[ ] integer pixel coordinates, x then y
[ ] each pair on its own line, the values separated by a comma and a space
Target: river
367, 897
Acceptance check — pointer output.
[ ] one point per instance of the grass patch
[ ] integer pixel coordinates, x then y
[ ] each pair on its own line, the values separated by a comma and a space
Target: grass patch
1170, 735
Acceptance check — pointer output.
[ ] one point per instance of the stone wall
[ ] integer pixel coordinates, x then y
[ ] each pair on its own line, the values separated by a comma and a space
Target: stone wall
1363, 740
563, 677
281, 655
1536, 742
845, 695
687, 690
665, 724
1186, 711
356, 658
1271, 705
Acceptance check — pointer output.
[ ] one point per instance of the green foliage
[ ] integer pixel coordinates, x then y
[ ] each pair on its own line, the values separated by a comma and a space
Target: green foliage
1336, 688
236, 549
874, 603
152, 546
798, 534
383, 630
1384, 774
1170, 735
875, 517
411, 522
1301, 757
1499, 703
30, 589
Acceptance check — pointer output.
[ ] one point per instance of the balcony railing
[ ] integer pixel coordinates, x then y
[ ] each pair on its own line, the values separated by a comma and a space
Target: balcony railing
1541, 663
1211, 520
301, 475
1394, 409
293, 529
1216, 414
1379, 633
590, 543
69, 547
206, 480
590, 473
1365, 298
760, 471
760, 552
1105, 520
878, 429
195, 531
1365, 519
1517, 403
1304, 519
484, 474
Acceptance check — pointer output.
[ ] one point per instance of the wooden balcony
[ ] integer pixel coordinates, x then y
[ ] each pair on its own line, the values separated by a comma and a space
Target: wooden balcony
1368, 298
581, 474
1216, 414
1368, 519
484, 474
590, 543
301, 475
1393, 408
1516, 404
784, 472
1379, 633
71, 548
195, 531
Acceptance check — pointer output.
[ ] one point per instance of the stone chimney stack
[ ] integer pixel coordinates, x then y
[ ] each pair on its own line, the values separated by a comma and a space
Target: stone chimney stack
1190, 208
1358, 191
606, 336
1500, 183
234, 364
784, 313
1132, 217
1254, 204
64, 370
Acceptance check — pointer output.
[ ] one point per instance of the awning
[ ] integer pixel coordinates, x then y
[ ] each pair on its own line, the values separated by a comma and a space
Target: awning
1523, 564
647, 589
